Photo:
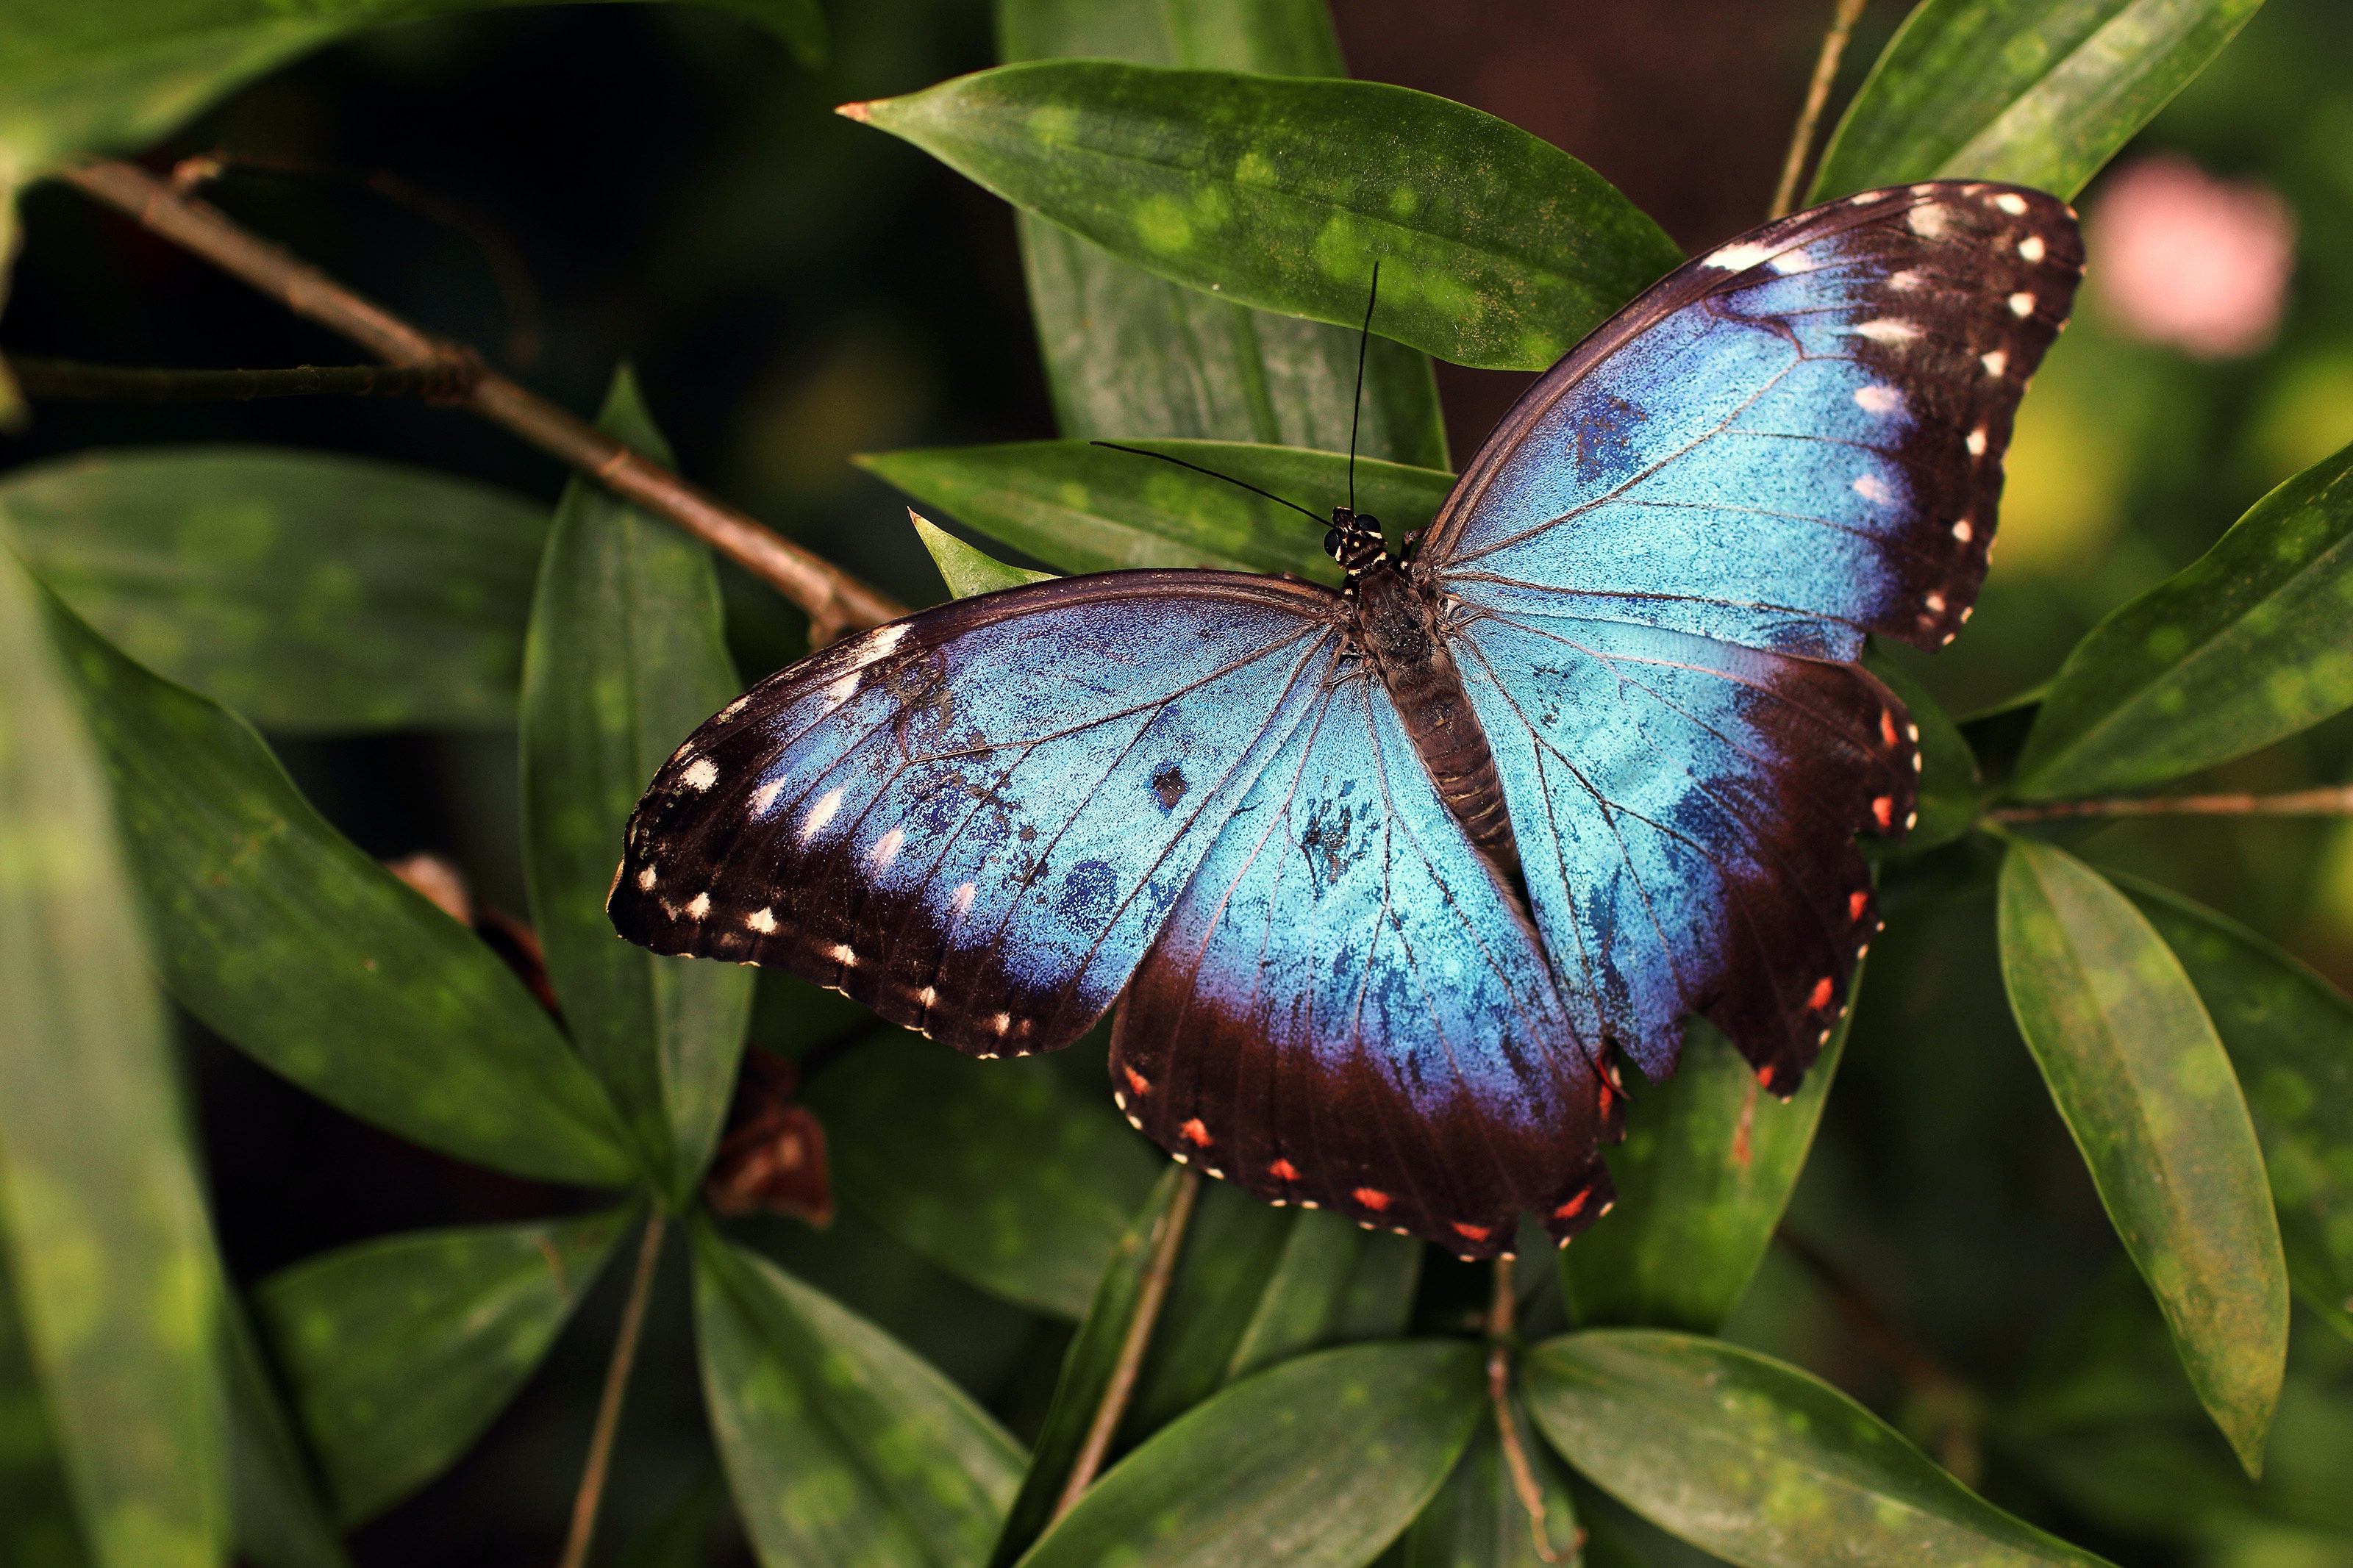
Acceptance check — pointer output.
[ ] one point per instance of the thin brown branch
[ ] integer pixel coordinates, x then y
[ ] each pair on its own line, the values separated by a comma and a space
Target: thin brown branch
1500, 1314
2328, 800
60, 380
608, 1407
1149, 1300
1818, 93
834, 600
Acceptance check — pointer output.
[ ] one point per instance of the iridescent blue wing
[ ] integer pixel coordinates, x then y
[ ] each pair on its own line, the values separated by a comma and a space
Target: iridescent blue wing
1659, 564
1787, 442
974, 820
1348, 1008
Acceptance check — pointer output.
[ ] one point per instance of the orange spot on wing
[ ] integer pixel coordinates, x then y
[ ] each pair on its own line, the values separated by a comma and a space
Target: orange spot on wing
1473, 1232
1195, 1133
1764, 1075
1887, 727
1372, 1198
1284, 1171
1603, 1096
1882, 811
1856, 902
1575, 1205
1137, 1082
1823, 991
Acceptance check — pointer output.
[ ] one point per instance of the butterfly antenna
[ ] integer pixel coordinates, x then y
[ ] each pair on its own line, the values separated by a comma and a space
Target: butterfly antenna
1213, 473
1356, 400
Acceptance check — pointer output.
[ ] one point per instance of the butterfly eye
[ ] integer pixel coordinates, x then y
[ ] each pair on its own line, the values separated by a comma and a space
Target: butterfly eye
1332, 542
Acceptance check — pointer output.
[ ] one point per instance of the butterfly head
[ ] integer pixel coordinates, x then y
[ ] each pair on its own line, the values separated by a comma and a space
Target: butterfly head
1354, 541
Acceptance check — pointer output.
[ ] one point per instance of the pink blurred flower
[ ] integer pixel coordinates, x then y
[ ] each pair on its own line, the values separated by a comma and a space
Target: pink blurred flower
2181, 257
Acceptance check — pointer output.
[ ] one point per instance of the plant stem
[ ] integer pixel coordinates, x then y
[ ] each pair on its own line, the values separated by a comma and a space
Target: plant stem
2328, 800
608, 1407
1500, 1314
834, 601
1818, 93
62, 380
1149, 1300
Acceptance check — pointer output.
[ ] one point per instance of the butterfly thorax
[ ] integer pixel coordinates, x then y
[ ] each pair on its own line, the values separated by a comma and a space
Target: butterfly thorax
1401, 629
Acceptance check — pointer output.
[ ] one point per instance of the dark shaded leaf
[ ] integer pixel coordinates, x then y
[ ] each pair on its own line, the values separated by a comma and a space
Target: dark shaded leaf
1091, 509
840, 1446
1320, 1461
305, 590
1497, 249
399, 1352
275, 1495
2244, 646
1477, 1520
1128, 353
2036, 92
1707, 1167
107, 1251
1001, 1173
1758, 1462
2138, 1072
966, 570
680, 1536
400, 1016
626, 656
2290, 1035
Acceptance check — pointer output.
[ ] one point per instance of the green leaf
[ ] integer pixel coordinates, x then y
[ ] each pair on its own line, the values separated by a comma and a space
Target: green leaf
2036, 92
2141, 1079
400, 1353
626, 656
1128, 353
1758, 1462
306, 591
77, 79
966, 569
104, 1234
680, 1537
1001, 1173
1950, 789
1702, 1177
36, 1520
841, 1445
1477, 1520
294, 946
1087, 1370
1091, 509
1320, 1461
1497, 249
1332, 1281
276, 1498
2290, 1035
2242, 648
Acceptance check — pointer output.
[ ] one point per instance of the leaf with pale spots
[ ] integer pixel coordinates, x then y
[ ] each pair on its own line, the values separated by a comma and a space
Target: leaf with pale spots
307, 589
1126, 351
2243, 646
2141, 1079
1759, 1463
966, 569
2290, 1035
400, 1016
2036, 92
399, 1352
1094, 509
999, 1171
841, 1445
1318, 1463
1706, 1168
626, 654
105, 1253
1497, 249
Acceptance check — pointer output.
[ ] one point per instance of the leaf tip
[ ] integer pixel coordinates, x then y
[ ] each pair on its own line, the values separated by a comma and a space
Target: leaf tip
862, 112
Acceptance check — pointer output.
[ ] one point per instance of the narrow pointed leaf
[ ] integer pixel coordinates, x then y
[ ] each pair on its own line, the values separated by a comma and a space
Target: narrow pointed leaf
1333, 1282
2036, 92
841, 1445
308, 591
2243, 646
294, 946
2144, 1085
1497, 249
1318, 1463
1759, 1463
103, 1240
1477, 1520
399, 1352
1128, 353
627, 657
966, 569
275, 1494
1001, 1173
1704, 1173
1093, 508
2290, 1035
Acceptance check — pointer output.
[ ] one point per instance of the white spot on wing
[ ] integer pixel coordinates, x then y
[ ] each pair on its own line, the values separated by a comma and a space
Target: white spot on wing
2030, 247
2012, 203
1996, 363
1873, 488
820, 813
1977, 442
841, 953
700, 774
1879, 399
734, 708
1737, 258
1791, 261
1887, 330
1934, 602
761, 920
841, 692
878, 643
1903, 282
701, 907
927, 996
646, 879
766, 796
960, 901
2021, 304
1926, 221
1961, 530
886, 850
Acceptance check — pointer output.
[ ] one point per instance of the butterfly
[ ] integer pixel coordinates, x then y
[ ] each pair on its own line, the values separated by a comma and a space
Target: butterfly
1389, 883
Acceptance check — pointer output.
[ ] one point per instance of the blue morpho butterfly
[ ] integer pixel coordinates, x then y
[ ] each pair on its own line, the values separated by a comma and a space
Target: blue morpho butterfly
1388, 880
